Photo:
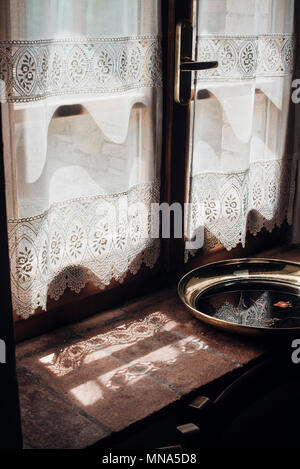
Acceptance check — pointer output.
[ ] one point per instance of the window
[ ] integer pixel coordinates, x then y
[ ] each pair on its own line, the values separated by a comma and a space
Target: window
93, 138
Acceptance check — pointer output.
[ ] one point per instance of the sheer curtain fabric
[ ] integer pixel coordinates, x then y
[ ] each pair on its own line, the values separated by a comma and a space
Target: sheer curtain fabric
242, 169
81, 112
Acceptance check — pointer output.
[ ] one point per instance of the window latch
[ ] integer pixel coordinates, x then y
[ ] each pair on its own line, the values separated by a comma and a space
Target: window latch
184, 65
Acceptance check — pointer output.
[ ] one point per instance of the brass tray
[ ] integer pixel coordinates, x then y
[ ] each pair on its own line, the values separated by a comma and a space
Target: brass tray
246, 296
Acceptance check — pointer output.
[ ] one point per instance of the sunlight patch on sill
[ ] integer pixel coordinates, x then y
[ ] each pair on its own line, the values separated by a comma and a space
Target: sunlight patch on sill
136, 370
48, 359
123, 376
142, 359
71, 357
87, 393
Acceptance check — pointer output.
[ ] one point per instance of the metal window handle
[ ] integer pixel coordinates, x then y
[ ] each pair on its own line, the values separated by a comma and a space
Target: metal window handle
184, 65
191, 66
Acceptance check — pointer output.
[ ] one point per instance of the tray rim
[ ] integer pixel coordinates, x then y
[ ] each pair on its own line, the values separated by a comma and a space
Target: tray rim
229, 326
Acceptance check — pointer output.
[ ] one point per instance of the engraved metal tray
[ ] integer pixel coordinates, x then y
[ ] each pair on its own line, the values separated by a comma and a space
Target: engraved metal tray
247, 296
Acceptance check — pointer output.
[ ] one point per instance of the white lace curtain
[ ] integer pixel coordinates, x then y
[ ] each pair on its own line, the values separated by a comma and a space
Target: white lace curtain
81, 110
242, 169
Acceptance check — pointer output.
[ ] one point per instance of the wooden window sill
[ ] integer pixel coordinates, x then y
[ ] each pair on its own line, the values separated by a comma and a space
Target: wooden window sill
81, 383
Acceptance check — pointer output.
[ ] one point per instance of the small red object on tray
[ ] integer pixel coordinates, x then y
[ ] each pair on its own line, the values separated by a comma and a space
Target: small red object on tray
283, 304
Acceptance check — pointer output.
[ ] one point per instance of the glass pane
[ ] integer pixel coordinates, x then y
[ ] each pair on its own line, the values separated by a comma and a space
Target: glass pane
82, 110
240, 171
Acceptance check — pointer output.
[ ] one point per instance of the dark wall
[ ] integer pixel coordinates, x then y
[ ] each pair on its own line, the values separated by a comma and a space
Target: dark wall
10, 428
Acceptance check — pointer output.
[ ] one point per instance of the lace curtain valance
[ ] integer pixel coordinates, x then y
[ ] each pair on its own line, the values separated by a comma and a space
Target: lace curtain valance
70, 66
81, 107
242, 161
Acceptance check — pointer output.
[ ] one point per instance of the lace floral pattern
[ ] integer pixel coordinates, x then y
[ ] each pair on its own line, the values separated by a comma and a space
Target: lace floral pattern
246, 57
255, 316
87, 239
227, 205
71, 66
